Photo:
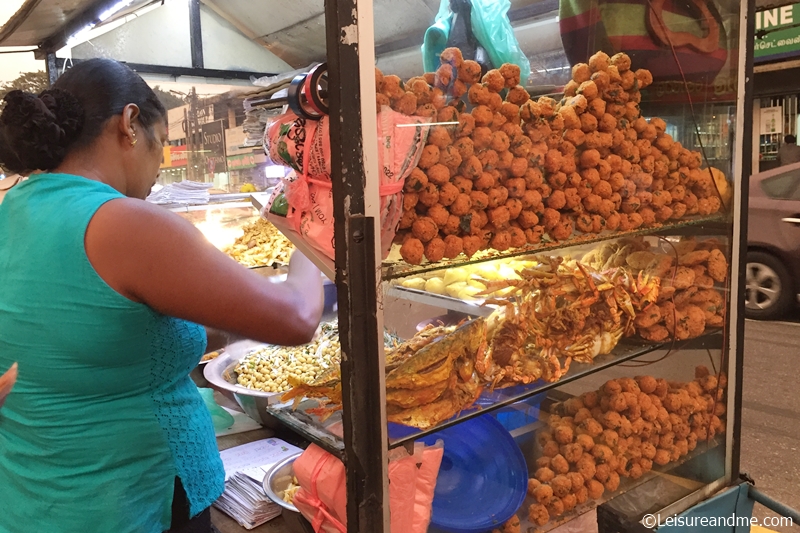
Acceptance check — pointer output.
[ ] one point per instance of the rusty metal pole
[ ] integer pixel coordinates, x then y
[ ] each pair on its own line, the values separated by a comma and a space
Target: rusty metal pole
353, 129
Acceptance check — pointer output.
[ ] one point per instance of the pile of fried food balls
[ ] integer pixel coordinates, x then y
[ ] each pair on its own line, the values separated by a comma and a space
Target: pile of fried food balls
514, 170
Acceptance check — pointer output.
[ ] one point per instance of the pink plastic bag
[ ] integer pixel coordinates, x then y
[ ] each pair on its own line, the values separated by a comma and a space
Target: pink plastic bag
304, 145
412, 480
400, 142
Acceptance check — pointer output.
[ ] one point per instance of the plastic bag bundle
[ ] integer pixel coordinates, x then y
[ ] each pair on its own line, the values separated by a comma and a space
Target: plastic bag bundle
304, 146
412, 480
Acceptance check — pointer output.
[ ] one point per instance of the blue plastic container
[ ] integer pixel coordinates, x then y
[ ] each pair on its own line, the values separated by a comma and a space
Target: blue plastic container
518, 414
483, 478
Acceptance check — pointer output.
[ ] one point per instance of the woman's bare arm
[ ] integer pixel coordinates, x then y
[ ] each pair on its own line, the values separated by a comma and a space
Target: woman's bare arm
152, 256
7, 381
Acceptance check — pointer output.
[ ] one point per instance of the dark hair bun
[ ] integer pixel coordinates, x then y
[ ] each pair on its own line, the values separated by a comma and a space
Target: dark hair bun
37, 131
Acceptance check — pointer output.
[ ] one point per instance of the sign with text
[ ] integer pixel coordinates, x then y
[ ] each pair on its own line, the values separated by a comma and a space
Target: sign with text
771, 120
777, 33
213, 141
242, 161
234, 139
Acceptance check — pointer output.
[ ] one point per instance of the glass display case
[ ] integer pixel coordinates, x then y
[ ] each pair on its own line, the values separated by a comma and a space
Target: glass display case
233, 224
566, 264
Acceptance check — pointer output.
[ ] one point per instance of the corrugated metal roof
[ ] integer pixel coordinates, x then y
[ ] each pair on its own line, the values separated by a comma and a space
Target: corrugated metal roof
294, 31
38, 20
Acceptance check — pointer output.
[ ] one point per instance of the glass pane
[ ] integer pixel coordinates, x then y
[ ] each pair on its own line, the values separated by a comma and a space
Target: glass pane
782, 186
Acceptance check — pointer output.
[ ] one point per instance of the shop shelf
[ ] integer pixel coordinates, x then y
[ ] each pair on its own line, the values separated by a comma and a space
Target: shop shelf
474, 309
394, 267
316, 431
659, 475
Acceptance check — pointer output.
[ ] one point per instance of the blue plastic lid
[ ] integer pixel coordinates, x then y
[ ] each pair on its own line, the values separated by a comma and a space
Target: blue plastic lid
483, 478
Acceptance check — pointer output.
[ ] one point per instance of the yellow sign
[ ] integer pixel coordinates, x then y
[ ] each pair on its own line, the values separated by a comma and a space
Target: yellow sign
166, 159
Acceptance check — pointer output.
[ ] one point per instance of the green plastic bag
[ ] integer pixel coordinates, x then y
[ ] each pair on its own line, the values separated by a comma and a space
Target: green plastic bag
280, 206
221, 418
491, 27
436, 37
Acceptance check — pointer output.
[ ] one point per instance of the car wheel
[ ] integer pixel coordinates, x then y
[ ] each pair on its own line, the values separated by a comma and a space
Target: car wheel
769, 289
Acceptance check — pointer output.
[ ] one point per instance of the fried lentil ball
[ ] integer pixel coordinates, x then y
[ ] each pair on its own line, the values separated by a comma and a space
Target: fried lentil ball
586, 467
595, 489
484, 182
564, 229
462, 205
438, 214
581, 72
562, 485
589, 159
472, 244
582, 414
448, 194
501, 241
518, 95
412, 251
612, 483
434, 250
518, 238
538, 514
463, 184
466, 125
429, 157
438, 174
407, 219
591, 427
662, 457
557, 200
469, 72
550, 449
602, 453
585, 441
425, 229
572, 452
416, 181
465, 148
480, 200
453, 226
494, 81
410, 200
602, 472
429, 195
545, 475
590, 399
555, 508
453, 246
543, 462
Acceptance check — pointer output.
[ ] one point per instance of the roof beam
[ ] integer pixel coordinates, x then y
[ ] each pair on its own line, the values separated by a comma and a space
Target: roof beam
235, 22
182, 71
88, 17
17, 19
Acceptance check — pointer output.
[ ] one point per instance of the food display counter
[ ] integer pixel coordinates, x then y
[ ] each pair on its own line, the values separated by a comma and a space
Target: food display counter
582, 251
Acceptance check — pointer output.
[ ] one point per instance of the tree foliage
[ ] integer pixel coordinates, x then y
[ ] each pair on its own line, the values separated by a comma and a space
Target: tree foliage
36, 82
168, 100
32, 82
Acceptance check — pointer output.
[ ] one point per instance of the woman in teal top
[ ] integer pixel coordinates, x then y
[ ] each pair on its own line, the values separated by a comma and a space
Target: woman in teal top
101, 300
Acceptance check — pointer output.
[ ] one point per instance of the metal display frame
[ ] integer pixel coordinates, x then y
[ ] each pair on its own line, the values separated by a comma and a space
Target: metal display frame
354, 164
349, 26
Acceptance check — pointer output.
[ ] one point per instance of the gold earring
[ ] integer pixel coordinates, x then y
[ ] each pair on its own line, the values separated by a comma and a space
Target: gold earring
134, 141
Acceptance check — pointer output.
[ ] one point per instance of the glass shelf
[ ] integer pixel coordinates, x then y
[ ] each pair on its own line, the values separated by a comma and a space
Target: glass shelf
310, 426
659, 474
394, 267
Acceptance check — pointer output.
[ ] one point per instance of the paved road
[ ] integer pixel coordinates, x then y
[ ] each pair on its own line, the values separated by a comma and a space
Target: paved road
771, 411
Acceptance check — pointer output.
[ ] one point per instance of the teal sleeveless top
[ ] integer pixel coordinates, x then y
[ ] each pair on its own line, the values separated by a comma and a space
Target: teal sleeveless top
104, 415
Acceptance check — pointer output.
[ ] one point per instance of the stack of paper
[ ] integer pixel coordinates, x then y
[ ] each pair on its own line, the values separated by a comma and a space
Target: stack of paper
246, 466
184, 192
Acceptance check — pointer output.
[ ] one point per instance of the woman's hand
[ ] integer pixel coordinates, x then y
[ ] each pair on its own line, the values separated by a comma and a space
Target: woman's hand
152, 256
7, 381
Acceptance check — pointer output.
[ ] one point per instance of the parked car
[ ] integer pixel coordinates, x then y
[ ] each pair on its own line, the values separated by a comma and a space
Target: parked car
773, 243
